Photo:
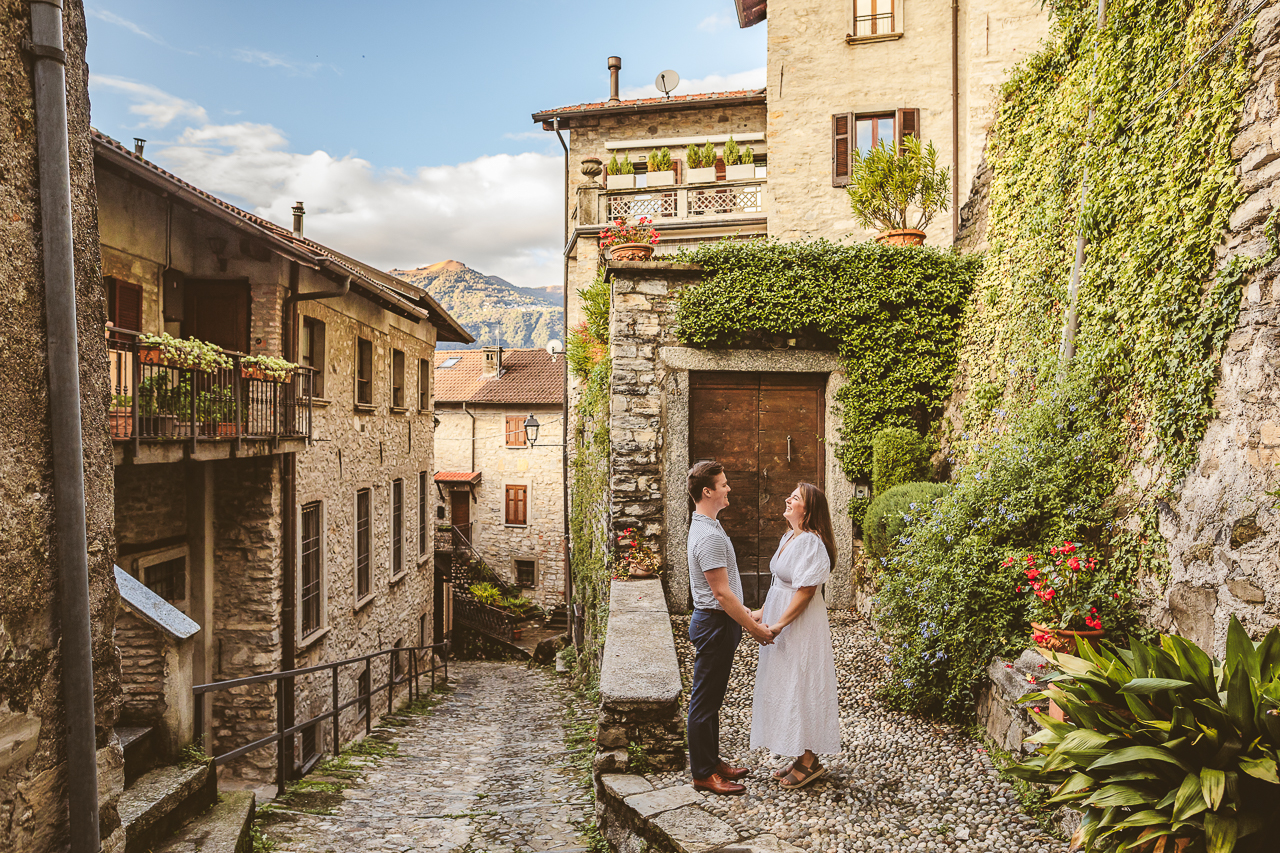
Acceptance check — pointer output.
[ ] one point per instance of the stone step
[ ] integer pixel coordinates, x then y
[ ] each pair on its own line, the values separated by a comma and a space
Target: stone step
223, 829
162, 800
141, 750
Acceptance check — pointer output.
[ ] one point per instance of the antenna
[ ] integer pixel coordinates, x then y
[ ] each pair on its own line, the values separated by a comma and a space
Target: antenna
554, 348
667, 82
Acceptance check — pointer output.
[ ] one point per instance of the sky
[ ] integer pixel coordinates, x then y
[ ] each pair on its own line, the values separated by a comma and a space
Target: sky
403, 126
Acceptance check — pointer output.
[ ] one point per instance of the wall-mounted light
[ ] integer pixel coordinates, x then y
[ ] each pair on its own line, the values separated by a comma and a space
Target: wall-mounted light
218, 245
531, 426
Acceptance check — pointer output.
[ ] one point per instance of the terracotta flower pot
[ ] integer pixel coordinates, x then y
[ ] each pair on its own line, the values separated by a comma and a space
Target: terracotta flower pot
902, 237
1062, 640
150, 355
121, 424
641, 575
631, 252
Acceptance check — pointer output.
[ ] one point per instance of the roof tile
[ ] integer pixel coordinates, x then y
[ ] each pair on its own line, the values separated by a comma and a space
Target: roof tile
528, 376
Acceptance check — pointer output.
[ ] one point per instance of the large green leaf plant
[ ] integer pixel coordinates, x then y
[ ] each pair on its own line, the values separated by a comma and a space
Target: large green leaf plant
1166, 748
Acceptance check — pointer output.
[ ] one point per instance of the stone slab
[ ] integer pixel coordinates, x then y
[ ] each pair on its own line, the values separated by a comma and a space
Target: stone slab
153, 608
691, 830
663, 800
223, 829
639, 662
761, 844
623, 785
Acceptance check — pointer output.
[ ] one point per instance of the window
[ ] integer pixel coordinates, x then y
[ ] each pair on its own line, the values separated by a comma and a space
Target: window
364, 685
852, 132
874, 18
424, 384
517, 506
364, 372
397, 527
396, 668
310, 587
363, 580
397, 379
310, 744
422, 513
311, 352
526, 575
124, 304
450, 362
422, 630
515, 431
167, 579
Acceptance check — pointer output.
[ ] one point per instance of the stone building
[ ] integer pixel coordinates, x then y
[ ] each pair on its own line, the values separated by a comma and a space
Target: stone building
288, 518
503, 488
35, 773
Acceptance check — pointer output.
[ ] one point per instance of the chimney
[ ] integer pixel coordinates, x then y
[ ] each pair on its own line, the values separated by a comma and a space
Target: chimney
615, 65
298, 213
138, 145
492, 362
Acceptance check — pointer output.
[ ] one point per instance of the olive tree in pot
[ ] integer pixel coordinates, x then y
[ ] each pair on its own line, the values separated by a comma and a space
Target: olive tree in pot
885, 186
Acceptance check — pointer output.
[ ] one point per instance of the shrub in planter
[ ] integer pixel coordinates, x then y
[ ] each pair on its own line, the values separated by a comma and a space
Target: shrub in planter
890, 513
189, 353
898, 455
1166, 746
622, 175
701, 162
739, 164
885, 184
660, 171
486, 593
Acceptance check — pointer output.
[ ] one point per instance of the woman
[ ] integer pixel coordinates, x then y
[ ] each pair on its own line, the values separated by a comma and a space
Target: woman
795, 711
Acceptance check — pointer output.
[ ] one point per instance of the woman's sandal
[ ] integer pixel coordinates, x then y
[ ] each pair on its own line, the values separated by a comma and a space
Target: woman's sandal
801, 774
779, 775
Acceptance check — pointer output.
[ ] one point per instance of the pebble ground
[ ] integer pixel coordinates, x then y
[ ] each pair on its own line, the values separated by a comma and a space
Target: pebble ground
485, 770
900, 783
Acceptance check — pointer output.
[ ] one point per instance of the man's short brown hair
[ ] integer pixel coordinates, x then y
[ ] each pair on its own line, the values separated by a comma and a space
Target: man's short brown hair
703, 476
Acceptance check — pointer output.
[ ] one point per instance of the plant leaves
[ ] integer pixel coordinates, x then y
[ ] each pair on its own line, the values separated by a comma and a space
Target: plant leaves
1118, 795
1147, 686
1263, 768
1220, 832
1213, 783
1138, 753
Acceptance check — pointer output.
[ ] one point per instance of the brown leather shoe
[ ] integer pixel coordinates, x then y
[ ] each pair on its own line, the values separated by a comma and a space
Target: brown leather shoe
732, 773
717, 784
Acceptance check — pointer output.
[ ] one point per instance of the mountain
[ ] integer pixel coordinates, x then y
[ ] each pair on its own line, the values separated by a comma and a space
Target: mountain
492, 309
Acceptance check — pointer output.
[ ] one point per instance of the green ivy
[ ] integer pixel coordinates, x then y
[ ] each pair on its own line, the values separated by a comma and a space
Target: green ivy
893, 314
588, 527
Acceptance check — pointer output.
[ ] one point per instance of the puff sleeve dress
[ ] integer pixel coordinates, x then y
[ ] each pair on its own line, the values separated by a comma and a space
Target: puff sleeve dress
795, 705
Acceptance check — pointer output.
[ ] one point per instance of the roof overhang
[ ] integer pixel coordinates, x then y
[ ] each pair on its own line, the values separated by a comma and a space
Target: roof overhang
458, 478
751, 12
657, 105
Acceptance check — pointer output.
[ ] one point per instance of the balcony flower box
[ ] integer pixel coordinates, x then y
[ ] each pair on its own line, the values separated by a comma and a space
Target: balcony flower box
620, 182
660, 179
121, 424
740, 172
705, 175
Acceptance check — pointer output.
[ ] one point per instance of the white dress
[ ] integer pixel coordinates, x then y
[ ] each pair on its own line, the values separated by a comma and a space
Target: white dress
795, 706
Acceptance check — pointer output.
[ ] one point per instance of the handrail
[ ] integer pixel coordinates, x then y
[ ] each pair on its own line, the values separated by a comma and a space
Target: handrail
493, 576
335, 712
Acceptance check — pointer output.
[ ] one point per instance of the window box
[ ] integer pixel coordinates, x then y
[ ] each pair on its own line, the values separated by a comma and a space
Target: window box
740, 172
660, 179
706, 175
620, 182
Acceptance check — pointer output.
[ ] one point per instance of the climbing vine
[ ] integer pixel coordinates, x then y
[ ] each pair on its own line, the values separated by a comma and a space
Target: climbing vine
893, 314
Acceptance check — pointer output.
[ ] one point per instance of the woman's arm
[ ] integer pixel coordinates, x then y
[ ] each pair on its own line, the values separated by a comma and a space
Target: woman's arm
799, 602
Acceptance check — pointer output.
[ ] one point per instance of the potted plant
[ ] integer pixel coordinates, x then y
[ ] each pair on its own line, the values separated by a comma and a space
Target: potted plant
629, 242
622, 175
267, 367
160, 404
884, 184
1167, 749
701, 163
216, 409
660, 171
739, 164
190, 353
638, 561
120, 416
1069, 596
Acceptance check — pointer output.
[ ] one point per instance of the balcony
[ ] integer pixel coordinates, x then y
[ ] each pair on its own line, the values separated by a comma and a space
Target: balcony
161, 413
711, 203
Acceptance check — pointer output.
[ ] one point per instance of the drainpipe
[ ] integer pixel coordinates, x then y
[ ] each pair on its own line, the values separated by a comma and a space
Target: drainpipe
76, 643
471, 465
564, 419
955, 119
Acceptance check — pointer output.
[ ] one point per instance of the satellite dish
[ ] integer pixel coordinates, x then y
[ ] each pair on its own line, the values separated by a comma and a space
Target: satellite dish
554, 347
667, 82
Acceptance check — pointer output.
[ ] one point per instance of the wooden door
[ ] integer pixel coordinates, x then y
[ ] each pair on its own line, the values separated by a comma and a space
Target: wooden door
460, 514
766, 428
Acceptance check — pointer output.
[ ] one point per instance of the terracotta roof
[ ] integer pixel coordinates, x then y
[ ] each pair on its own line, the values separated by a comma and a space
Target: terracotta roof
379, 287
528, 376
458, 477
675, 102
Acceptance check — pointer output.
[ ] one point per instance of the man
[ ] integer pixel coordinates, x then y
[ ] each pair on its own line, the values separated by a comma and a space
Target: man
716, 628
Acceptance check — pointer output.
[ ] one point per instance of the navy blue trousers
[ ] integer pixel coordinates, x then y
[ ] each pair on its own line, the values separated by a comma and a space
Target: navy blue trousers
715, 636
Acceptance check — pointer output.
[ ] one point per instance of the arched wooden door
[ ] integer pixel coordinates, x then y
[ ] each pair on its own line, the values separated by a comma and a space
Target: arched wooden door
767, 429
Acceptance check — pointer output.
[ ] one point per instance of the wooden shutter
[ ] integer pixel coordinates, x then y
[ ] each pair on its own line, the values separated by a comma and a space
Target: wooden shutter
720, 169
516, 506
908, 124
515, 431
841, 141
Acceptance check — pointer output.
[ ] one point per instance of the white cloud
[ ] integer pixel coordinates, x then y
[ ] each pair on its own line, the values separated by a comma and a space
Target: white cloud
715, 23
274, 60
498, 214
113, 18
753, 79
157, 107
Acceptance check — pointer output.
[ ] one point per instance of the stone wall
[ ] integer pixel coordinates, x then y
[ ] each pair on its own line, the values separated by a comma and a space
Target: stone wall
649, 419
33, 798
537, 468
141, 670
151, 503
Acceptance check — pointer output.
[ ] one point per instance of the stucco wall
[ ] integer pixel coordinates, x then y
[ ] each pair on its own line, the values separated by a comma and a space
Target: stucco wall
33, 799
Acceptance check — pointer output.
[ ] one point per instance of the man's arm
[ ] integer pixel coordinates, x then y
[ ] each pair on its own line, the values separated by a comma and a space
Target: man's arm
719, 582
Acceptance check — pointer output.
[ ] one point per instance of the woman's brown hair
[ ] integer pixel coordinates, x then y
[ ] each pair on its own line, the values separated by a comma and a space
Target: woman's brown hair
817, 517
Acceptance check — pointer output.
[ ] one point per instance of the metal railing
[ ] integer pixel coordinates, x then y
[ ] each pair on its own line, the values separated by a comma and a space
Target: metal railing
875, 24
692, 201
152, 401
395, 677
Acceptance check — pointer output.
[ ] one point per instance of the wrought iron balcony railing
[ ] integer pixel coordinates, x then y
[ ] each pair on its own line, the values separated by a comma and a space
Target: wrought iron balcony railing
722, 199
152, 401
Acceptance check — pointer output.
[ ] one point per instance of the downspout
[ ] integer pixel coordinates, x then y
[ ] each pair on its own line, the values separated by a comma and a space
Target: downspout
471, 464
955, 119
564, 419
76, 644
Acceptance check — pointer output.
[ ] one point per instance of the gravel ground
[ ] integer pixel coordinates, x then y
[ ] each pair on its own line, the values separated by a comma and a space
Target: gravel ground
900, 783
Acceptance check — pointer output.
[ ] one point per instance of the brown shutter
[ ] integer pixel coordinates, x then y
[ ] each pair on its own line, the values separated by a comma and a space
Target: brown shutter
908, 124
720, 170
841, 133
317, 358
128, 306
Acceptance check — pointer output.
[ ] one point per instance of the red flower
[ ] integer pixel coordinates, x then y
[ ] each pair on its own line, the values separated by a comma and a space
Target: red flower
1032, 573
1031, 559
1074, 564
1068, 547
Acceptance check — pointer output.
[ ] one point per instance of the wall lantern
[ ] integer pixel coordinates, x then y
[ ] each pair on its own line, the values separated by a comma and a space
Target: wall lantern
531, 429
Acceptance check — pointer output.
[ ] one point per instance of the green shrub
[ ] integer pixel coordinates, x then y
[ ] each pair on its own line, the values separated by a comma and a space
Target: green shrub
1165, 741
890, 513
660, 161
898, 455
486, 593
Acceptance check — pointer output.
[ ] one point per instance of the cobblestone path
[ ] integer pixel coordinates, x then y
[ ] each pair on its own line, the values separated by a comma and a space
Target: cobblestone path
486, 770
900, 783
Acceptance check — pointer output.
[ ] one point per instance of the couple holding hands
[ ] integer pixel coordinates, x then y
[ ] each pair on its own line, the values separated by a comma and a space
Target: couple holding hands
794, 710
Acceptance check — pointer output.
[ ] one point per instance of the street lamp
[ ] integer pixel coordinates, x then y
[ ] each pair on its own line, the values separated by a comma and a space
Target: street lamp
531, 429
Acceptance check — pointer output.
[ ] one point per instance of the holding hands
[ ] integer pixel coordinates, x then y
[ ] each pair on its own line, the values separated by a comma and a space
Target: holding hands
757, 616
